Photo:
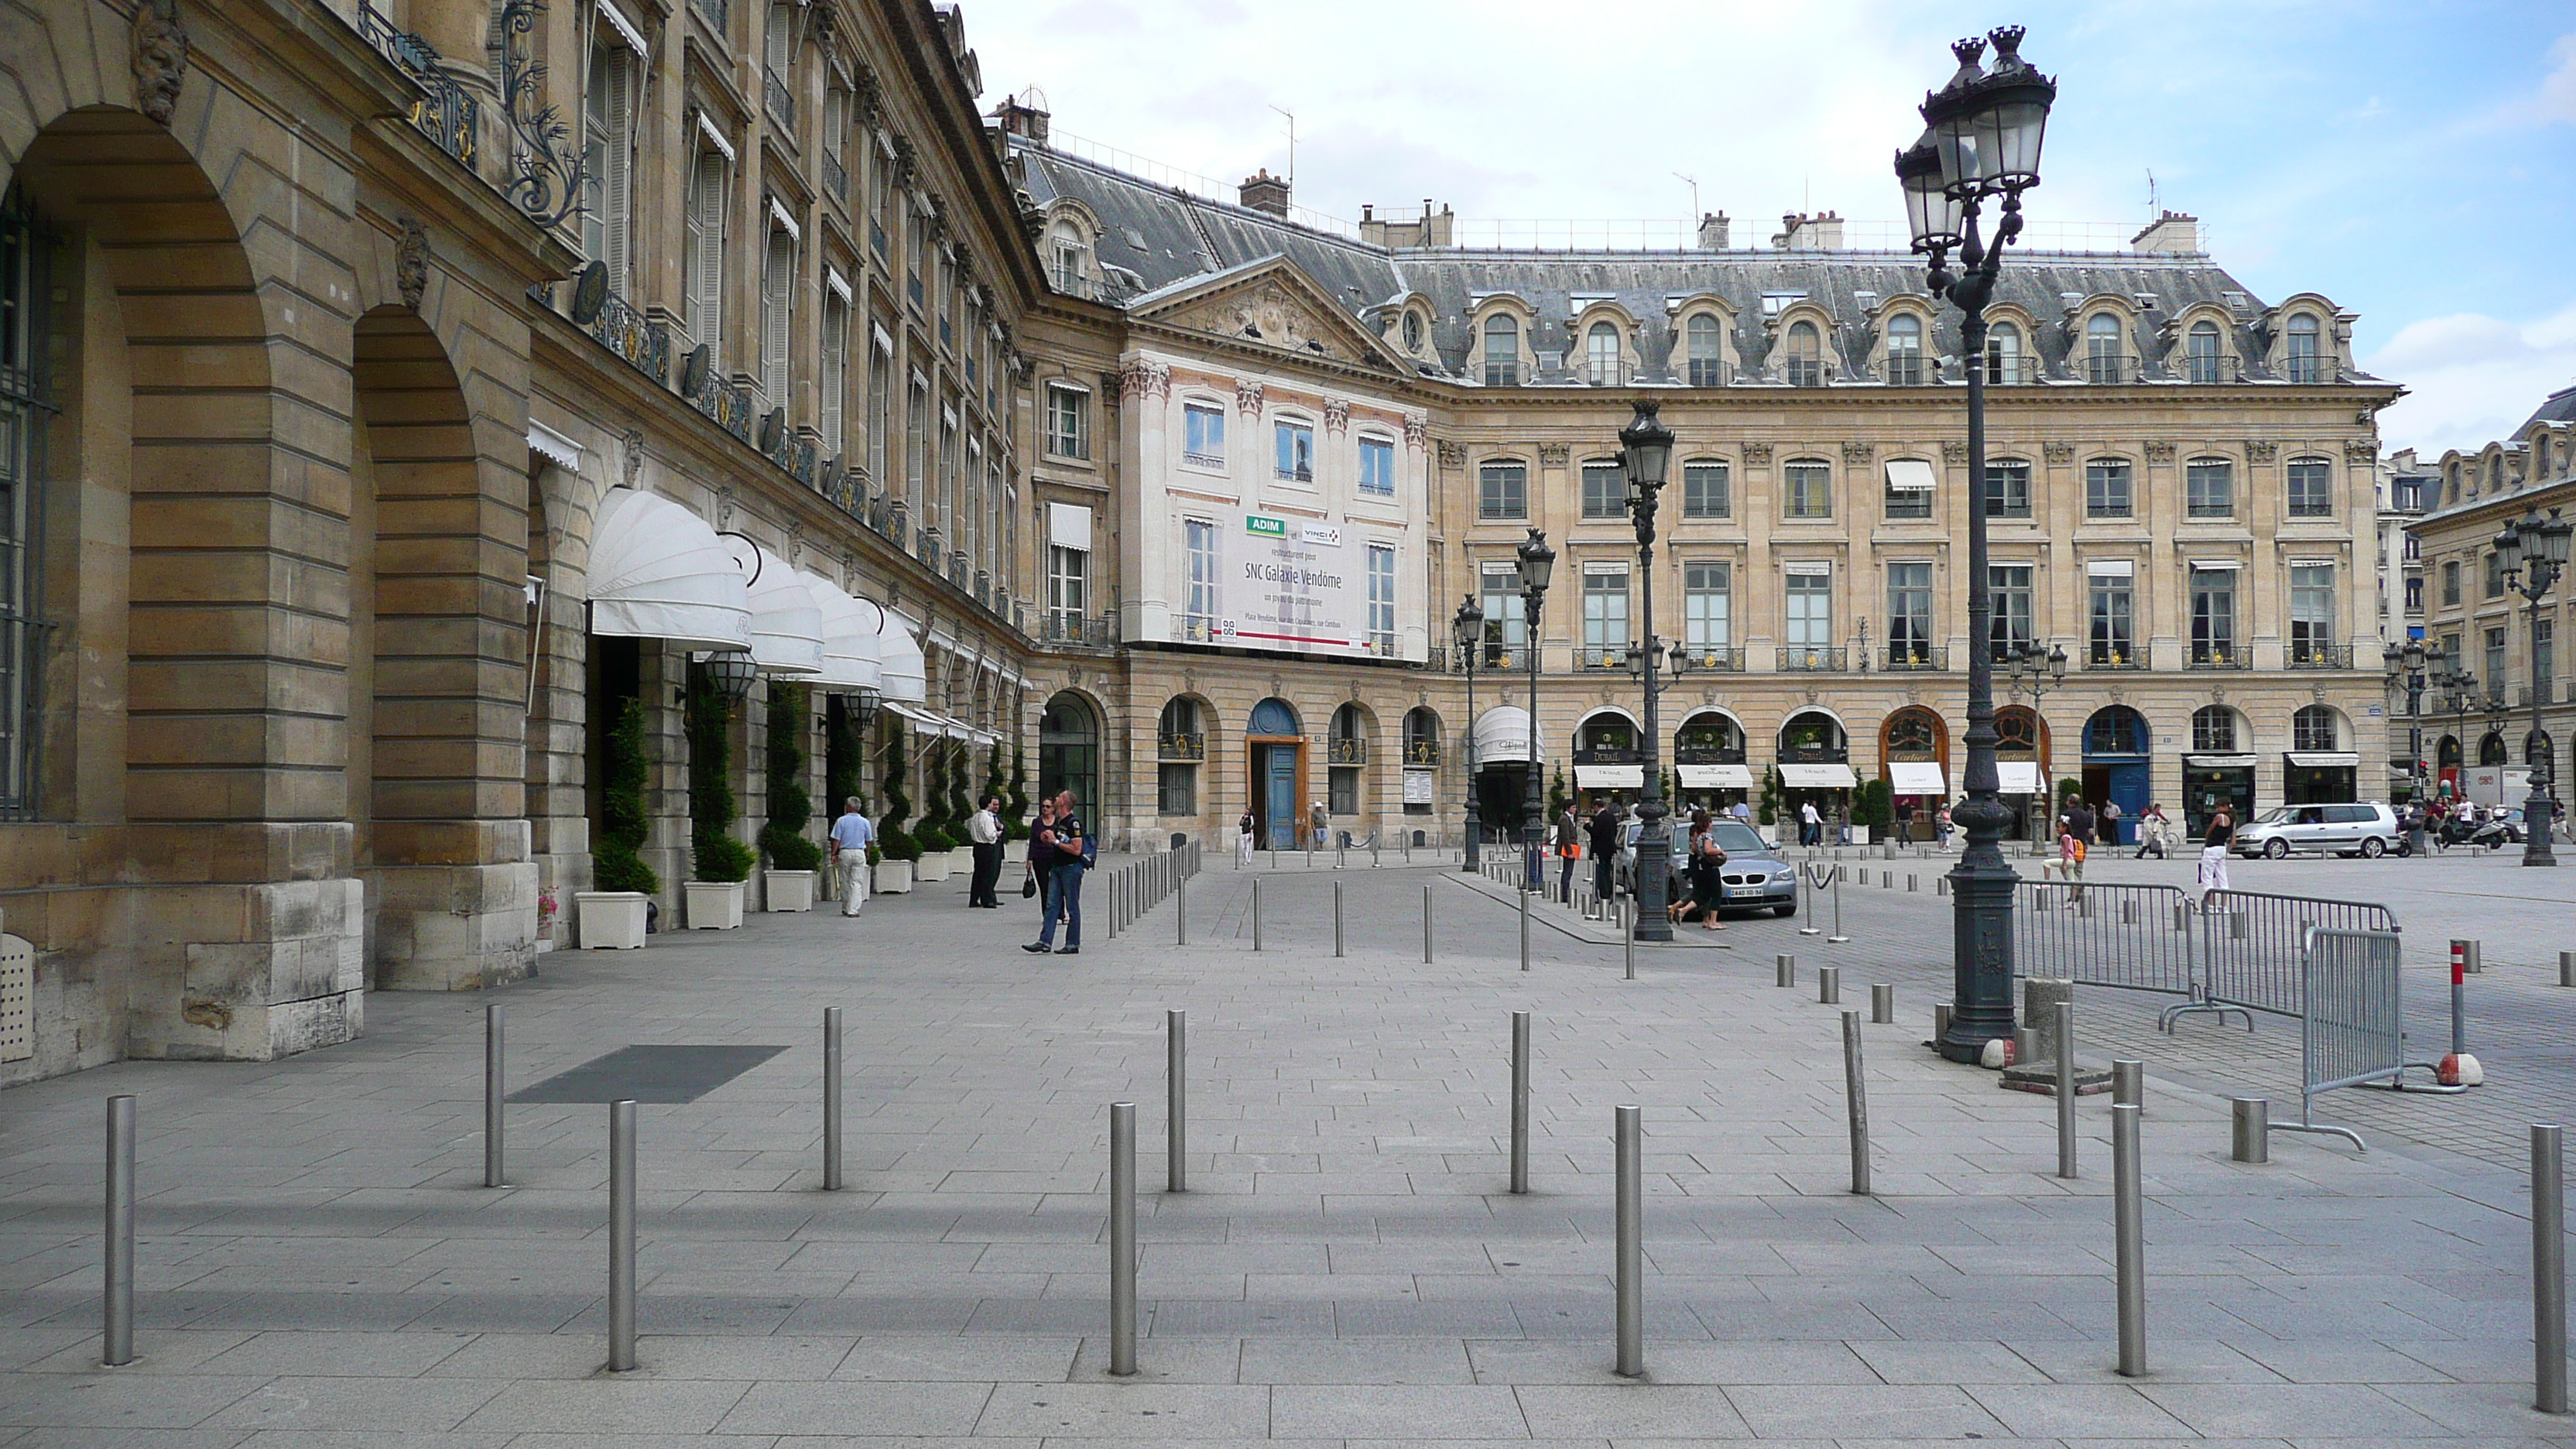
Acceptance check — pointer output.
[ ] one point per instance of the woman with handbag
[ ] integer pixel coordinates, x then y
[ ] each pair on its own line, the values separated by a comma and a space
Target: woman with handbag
1707, 887
1041, 848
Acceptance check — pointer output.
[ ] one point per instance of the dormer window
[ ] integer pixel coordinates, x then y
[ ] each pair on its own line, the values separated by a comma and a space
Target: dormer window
2003, 353
1413, 332
1705, 342
2300, 357
1502, 351
2104, 363
1805, 366
1601, 355
2200, 347
1905, 350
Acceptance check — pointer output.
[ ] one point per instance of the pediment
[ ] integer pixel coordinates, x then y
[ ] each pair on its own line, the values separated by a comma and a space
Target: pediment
1269, 304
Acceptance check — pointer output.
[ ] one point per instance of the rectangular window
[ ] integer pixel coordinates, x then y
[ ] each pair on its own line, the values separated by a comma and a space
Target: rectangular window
836, 342
24, 354
1068, 268
777, 315
1506, 622
1502, 352
1909, 615
2107, 489
1377, 467
1068, 572
1203, 435
1704, 491
2311, 483
608, 159
1068, 422
2008, 585
2312, 607
1808, 490
2113, 642
2008, 488
880, 199
880, 408
2495, 576
1605, 491
2414, 547
702, 261
2213, 616
1295, 452
2451, 582
1201, 540
2414, 596
1381, 598
1810, 616
2210, 488
2544, 659
916, 449
1605, 609
2495, 663
1345, 790
1909, 489
1502, 490
918, 272
1707, 621
1177, 791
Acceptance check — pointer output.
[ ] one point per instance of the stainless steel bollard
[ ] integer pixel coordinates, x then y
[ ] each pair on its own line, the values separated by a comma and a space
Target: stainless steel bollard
2128, 1083
1520, 1100
1122, 1239
1882, 1003
1110, 916
831, 1099
1784, 969
1940, 1021
1913, 883
2066, 1090
1524, 899
1426, 925
1856, 1099
1829, 985
1181, 909
2250, 1139
2129, 1216
116, 1336
2567, 968
2549, 1268
621, 1235
1628, 954
1256, 913
1337, 918
2472, 955
1632, 1248
1838, 938
1176, 1091
2022, 1045
495, 1088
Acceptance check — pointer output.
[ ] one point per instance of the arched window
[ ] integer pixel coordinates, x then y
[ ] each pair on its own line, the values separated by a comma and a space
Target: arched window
1707, 351
2213, 729
1346, 751
2446, 756
2300, 351
1709, 739
2316, 727
1601, 354
1412, 331
1905, 350
2017, 732
1349, 723
1806, 365
1913, 734
1421, 736
2491, 750
1179, 734
2202, 348
2003, 353
1274, 717
1502, 351
1813, 736
2103, 360
1069, 750
2536, 748
2115, 730
1606, 739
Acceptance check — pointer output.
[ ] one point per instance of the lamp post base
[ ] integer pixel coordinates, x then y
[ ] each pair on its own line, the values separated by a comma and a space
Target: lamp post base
1981, 1008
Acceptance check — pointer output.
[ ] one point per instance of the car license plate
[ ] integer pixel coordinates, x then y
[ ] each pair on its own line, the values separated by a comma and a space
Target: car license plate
1737, 892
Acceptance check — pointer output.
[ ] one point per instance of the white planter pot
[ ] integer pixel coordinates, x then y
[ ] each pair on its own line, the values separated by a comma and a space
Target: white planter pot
933, 866
893, 878
609, 920
1860, 835
1015, 852
714, 905
1770, 835
790, 890
961, 861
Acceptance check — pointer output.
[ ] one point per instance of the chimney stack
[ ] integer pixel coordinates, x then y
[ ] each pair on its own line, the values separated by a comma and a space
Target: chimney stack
1712, 231
1025, 116
1266, 193
1800, 232
2174, 232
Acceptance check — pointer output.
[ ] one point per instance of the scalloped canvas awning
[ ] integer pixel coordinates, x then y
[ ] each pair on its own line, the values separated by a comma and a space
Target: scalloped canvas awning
849, 636
902, 674
786, 624
658, 572
1502, 736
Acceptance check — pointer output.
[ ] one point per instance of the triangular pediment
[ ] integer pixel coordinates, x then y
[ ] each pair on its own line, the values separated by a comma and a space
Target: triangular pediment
1268, 303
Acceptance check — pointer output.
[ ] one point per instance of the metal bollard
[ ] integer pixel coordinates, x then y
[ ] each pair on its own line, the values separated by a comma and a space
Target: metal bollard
1426, 925
495, 1088
1838, 938
2567, 968
1111, 914
1122, 1239
831, 1099
1176, 1088
1181, 909
1940, 1020
1882, 1003
621, 1235
1520, 1100
2549, 1268
1632, 1248
2130, 1232
2066, 1090
1829, 985
2128, 1083
1784, 969
1524, 899
116, 1336
1628, 955
1256, 913
2251, 1137
1856, 1100
1940, 885
1912, 883
2023, 1039
1337, 918
2471, 955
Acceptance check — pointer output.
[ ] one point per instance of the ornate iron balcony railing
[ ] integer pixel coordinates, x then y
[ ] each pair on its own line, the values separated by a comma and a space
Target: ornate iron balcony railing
1185, 747
1346, 752
445, 112
644, 343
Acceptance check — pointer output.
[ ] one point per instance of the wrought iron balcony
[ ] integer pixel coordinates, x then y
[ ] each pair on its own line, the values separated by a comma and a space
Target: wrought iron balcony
1601, 656
1906, 369
2307, 654
2209, 367
2218, 656
645, 344
1923, 658
1422, 752
716, 13
1194, 629
1071, 630
1714, 656
730, 404
1803, 372
1339, 751
2311, 369
1798, 658
2113, 656
2017, 370
2104, 369
779, 99
1709, 372
836, 178
445, 113
1181, 747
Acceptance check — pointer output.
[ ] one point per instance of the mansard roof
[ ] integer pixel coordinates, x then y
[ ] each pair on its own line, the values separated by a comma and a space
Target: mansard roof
2559, 407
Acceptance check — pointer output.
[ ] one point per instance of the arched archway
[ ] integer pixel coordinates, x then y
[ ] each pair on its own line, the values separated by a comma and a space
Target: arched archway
1609, 756
1348, 744
1709, 762
2322, 767
1069, 751
1181, 757
2022, 765
2491, 750
1815, 769
1275, 783
1914, 756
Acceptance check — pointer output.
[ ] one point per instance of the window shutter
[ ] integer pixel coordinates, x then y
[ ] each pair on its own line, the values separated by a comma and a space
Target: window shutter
779, 309
707, 224
618, 189
836, 335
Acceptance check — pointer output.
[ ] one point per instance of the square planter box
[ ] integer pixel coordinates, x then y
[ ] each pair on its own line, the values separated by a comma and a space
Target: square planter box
933, 866
714, 905
790, 890
961, 861
893, 878
1015, 852
610, 920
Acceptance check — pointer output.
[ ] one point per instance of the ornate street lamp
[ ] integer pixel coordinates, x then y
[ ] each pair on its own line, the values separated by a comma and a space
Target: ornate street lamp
1981, 141
1468, 628
2408, 666
1646, 452
1537, 562
2039, 670
2534, 551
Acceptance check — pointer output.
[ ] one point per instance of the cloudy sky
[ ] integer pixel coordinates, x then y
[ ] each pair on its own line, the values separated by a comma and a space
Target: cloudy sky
2415, 161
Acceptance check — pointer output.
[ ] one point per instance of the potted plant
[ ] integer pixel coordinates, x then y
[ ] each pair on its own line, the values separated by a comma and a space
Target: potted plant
793, 859
1015, 809
719, 863
896, 852
931, 836
613, 916
961, 852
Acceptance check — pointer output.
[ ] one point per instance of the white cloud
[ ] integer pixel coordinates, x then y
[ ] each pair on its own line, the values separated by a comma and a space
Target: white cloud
2470, 378
2558, 93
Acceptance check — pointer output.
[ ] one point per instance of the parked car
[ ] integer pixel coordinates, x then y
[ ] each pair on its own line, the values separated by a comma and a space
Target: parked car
2368, 828
1754, 877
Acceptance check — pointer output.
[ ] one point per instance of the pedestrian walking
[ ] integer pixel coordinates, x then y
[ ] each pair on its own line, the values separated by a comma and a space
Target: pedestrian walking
1743, 814
2107, 825
1941, 824
1811, 826
2074, 842
984, 831
1071, 850
1569, 847
1243, 841
1319, 828
2155, 832
1041, 855
852, 834
1605, 849
2213, 853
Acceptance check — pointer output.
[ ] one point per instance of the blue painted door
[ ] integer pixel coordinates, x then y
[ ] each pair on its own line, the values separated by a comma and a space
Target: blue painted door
2129, 791
1283, 798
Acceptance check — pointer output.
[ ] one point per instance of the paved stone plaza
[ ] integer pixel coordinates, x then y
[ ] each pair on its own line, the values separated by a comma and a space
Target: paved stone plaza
320, 1265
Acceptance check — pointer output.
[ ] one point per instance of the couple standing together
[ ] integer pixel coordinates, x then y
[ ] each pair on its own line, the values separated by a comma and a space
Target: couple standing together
1060, 850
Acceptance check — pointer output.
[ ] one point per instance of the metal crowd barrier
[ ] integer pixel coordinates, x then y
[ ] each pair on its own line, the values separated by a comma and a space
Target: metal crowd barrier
2135, 937
2352, 1028
2254, 946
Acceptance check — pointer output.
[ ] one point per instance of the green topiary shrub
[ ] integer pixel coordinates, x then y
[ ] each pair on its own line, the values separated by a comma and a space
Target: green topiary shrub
934, 832
714, 854
614, 864
1557, 798
1875, 807
893, 841
843, 753
961, 808
782, 837
1015, 805
1767, 810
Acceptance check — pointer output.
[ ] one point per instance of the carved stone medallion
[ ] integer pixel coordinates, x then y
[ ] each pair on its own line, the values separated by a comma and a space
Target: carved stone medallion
160, 58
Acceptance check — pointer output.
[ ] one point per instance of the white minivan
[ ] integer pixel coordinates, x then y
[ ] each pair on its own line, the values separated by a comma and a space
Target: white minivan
2368, 828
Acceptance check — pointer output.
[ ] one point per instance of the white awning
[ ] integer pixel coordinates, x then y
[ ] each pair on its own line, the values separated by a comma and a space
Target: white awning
1503, 736
932, 722
1069, 526
2017, 777
922, 719
2219, 762
2324, 760
786, 623
1915, 777
1715, 777
554, 447
1909, 475
849, 636
1610, 777
658, 572
1818, 777
901, 672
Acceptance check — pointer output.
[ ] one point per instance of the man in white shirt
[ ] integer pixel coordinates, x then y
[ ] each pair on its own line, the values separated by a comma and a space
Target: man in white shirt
1811, 825
984, 830
852, 834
